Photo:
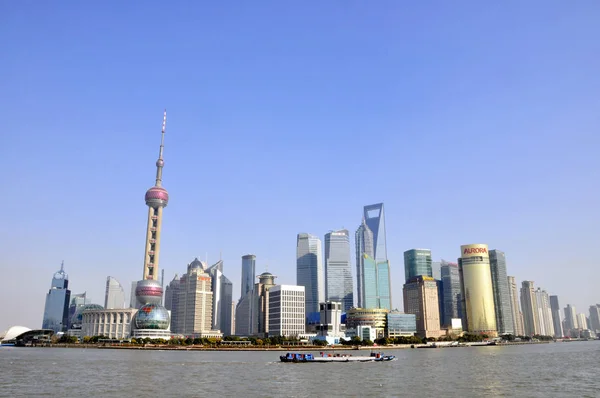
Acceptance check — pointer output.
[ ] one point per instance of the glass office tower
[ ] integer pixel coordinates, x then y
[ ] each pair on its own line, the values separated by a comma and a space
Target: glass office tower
338, 277
417, 262
309, 271
502, 305
56, 311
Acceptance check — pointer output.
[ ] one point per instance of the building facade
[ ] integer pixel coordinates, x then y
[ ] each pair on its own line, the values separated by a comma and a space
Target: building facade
376, 283
286, 311
373, 318
477, 292
514, 306
582, 321
114, 296
330, 322
309, 270
111, 323
556, 320
417, 262
571, 322
421, 299
595, 317
248, 273
338, 275
399, 324
529, 306
364, 247
375, 219
502, 303
56, 310
194, 310
222, 289
451, 291
544, 313
260, 304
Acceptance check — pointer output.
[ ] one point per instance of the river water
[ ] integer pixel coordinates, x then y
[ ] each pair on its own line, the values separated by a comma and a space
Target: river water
540, 370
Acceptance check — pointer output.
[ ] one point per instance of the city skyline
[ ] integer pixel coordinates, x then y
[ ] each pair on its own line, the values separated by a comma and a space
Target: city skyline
265, 114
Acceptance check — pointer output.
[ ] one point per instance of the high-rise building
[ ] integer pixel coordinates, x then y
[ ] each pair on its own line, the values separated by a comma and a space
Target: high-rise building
582, 321
376, 283
556, 321
114, 296
172, 302
194, 310
417, 262
544, 313
338, 276
517, 317
594, 317
504, 321
477, 292
421, 299
56, 310
364, 247
571, 322
222, 289
260, 304
152, 320
286, 311
248, 273
451, 291
243, 316
309, 270
436, 270
375, 220
529, 306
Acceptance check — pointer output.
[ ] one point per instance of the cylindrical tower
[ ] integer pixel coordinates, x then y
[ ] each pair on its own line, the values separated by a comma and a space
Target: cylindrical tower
477, 291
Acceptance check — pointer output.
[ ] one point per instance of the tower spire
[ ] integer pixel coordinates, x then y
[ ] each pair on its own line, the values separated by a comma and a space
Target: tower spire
160, 162
62, 266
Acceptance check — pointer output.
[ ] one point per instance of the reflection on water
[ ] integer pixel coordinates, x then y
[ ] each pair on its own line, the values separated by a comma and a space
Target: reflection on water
542, 370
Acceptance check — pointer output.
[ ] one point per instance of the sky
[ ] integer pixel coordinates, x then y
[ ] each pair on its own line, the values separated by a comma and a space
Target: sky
472, 122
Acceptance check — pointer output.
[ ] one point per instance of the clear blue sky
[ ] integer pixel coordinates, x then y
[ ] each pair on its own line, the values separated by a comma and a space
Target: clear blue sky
473, 123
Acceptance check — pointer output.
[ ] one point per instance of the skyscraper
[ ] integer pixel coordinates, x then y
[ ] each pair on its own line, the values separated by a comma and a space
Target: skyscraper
114, 296
477, 292
364, 247
504, 321
514, 306
222, 289
582, 321
544, 313
451, 291
375, 220
309, 270
594, 317
338, 276
417, 262
152, 320
376, 283
421, 299
194, 311
529, 306
248, 273
570, 319
172, 301
260, 304
56, 310
556, 321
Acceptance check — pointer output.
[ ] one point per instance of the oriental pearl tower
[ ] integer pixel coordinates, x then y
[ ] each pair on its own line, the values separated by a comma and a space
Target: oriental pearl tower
152, 319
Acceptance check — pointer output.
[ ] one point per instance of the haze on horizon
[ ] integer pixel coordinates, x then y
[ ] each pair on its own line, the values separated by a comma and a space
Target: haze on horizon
473, 123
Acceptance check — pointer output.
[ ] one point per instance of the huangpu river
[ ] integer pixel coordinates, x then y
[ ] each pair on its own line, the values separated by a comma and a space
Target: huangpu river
537, 370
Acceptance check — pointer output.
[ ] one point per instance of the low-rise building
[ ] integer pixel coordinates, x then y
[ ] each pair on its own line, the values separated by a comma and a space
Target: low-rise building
399, 324
112, 323
375, 318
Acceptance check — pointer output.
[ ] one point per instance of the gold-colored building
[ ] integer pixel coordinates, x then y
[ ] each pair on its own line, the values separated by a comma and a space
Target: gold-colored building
373, 317
421, 299
476, 289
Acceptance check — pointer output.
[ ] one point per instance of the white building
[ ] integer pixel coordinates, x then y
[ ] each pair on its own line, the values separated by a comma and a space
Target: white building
286, 310
330, 323
582, 321
115, 295
112, 323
